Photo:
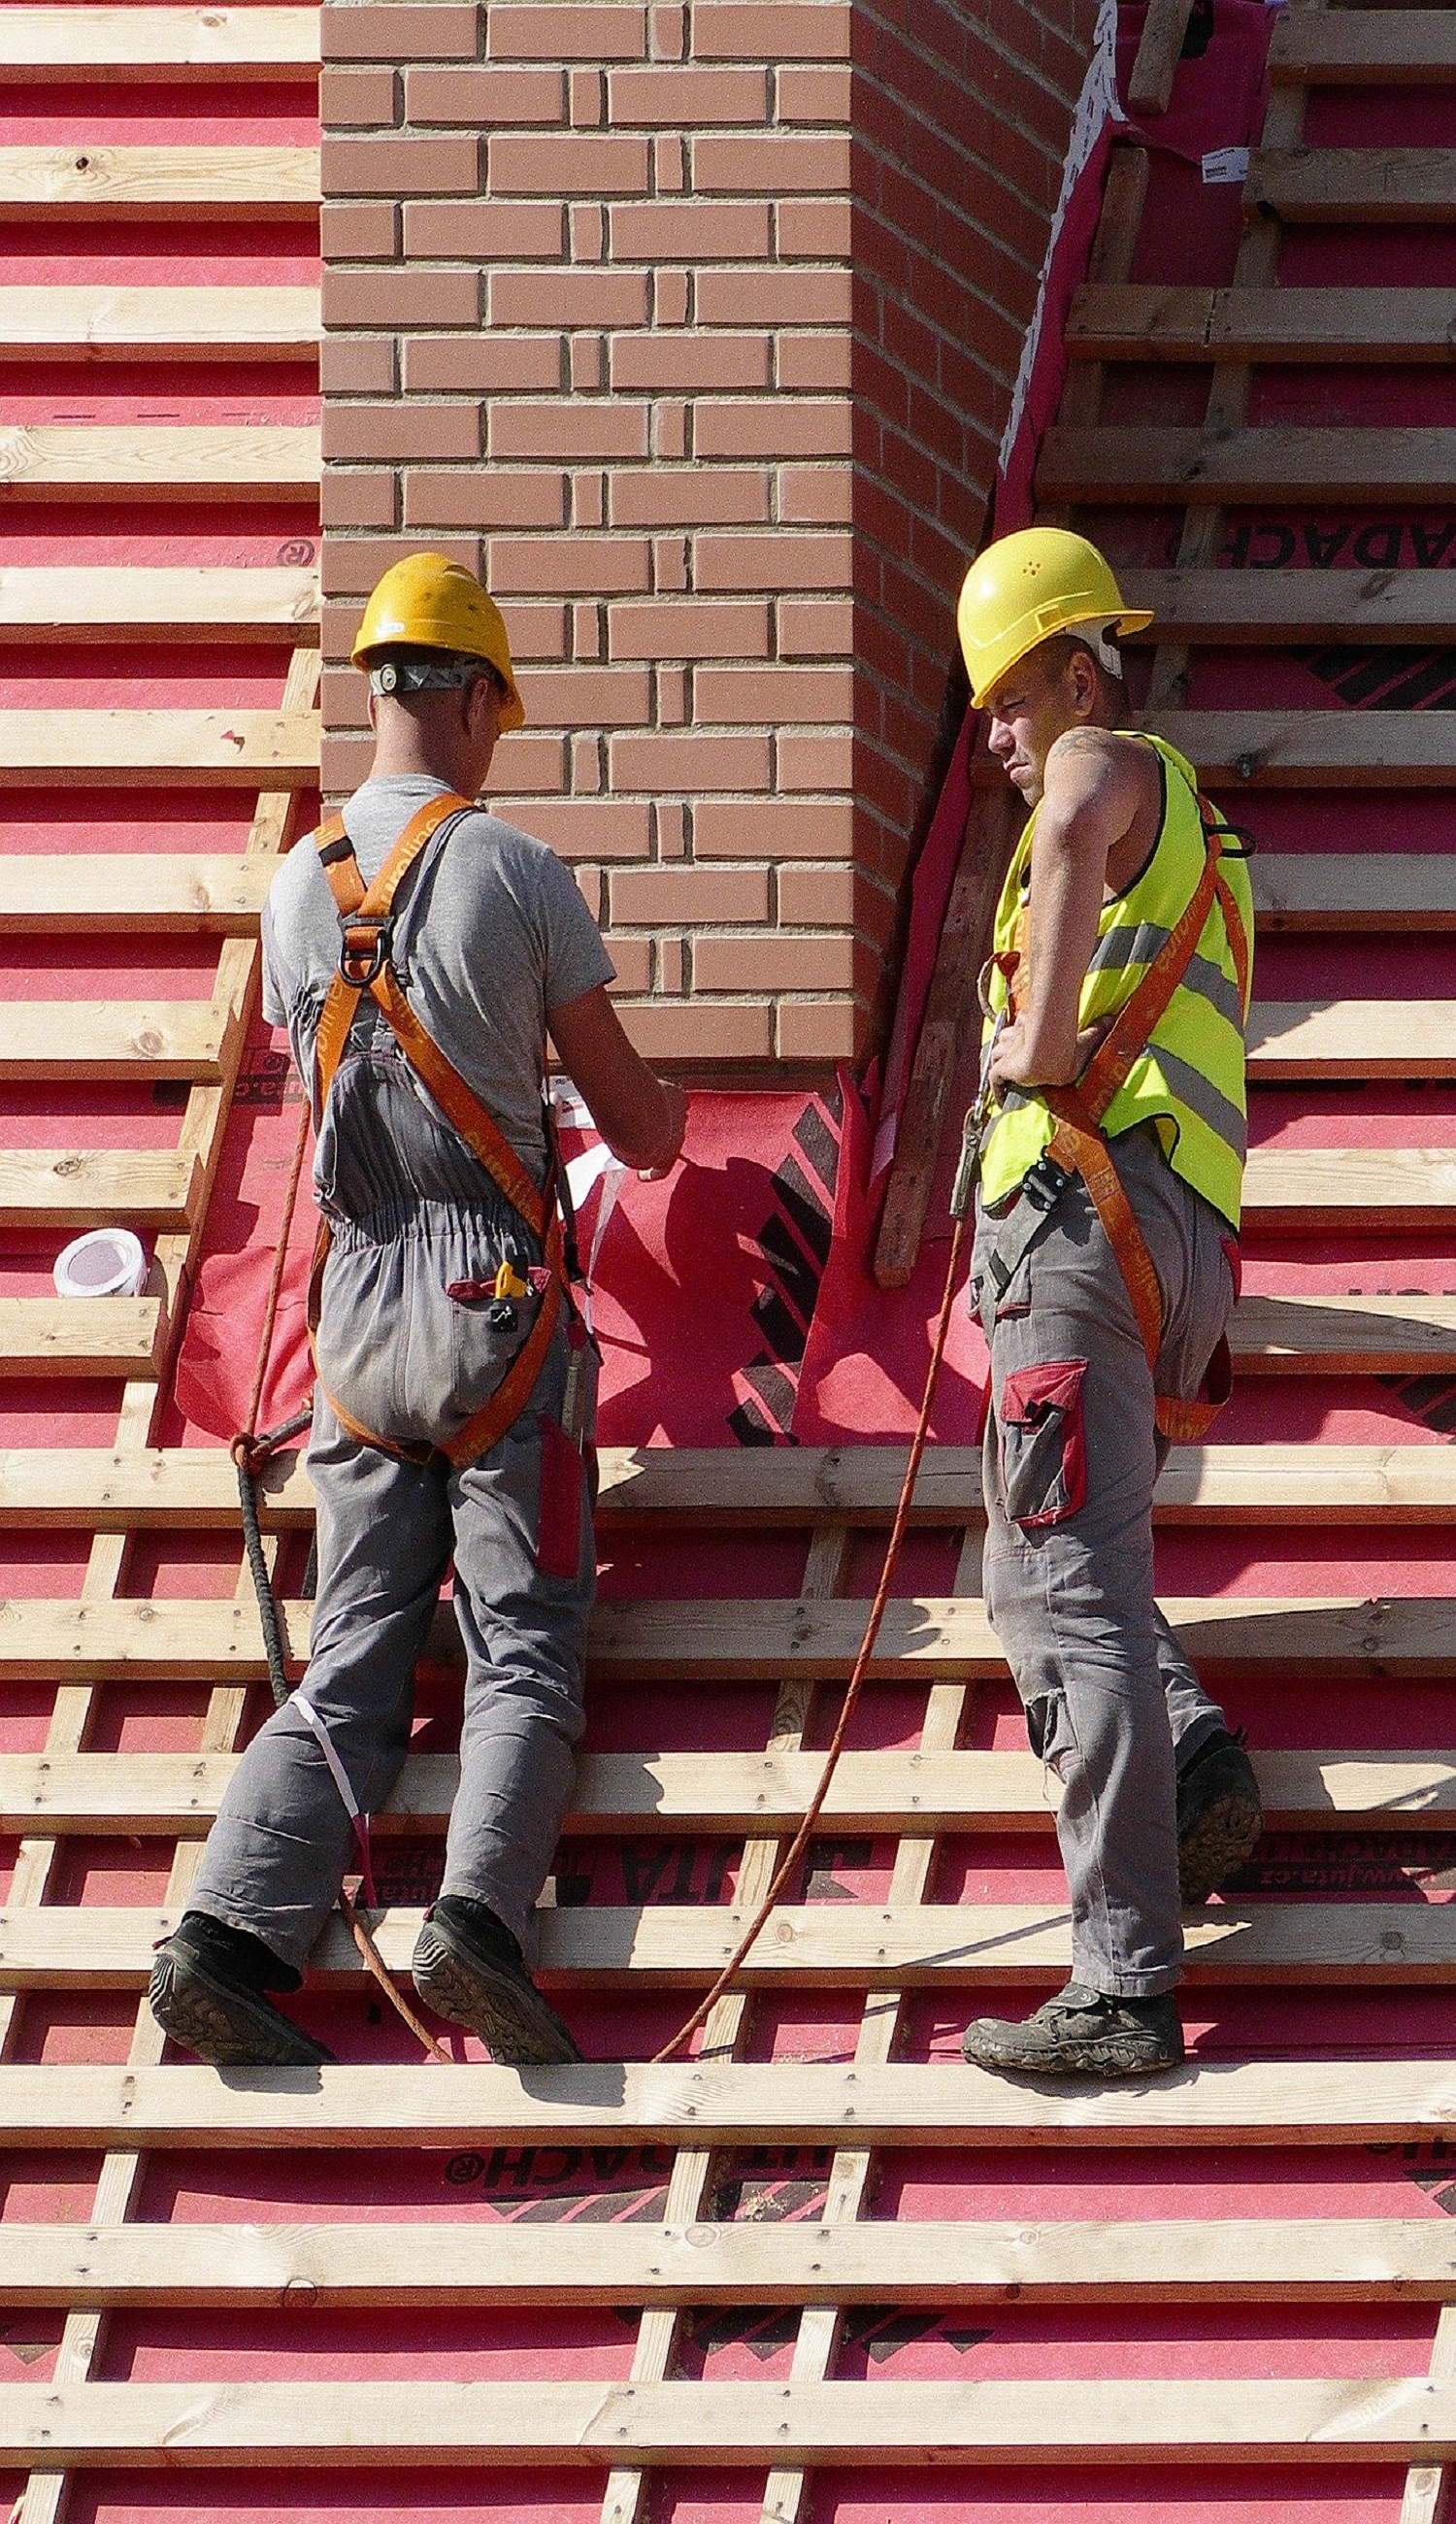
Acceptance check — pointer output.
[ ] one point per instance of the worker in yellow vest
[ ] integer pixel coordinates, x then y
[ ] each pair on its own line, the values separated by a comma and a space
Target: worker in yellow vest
1104, 1268
417, 949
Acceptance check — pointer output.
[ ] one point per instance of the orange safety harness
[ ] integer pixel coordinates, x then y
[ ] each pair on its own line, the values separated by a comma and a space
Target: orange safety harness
1078, 1144
365, 920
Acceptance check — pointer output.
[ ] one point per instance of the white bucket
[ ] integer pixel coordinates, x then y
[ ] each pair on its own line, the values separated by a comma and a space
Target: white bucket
109, 1262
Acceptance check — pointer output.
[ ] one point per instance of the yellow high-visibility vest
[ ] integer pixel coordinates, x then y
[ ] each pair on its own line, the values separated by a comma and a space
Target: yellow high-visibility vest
1190, 1081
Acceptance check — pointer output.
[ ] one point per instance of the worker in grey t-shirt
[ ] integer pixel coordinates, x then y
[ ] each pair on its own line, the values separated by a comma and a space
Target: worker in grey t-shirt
433, 1284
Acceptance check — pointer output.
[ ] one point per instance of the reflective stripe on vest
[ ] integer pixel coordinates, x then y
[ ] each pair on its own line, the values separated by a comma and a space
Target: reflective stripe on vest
1189, 1080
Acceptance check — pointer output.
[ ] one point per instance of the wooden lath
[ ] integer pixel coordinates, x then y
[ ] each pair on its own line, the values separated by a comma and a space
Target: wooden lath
77, 42
159, 748
111, 320
155, 183
108, 604
1150, 321
73, 459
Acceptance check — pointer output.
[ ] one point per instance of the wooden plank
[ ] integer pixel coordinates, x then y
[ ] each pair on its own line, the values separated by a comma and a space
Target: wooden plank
78, 1188
1316, 748
1343, 1335
154, 182
823, 1945
917, 1794
1368, 185
1142, 320
1156, 64
64, 1337
1351, 1039
105, 319
1311, 2260
71, 460
181, 895
159, 748
325, 2425
1129, 464
77, 43
1345, 47
1356, 891
44, 1039
196, 605
1252, 606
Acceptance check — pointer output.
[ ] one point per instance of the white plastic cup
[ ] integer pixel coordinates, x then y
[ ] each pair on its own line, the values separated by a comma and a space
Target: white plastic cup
107, 1262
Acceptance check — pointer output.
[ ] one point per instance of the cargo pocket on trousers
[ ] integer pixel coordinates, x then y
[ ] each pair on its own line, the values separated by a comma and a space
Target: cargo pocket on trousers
1043, 1450
558, 1511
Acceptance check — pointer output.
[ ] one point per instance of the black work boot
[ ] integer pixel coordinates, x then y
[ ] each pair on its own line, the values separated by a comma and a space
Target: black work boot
208, 1991
467, 1966
1219, 1816
1080, 2033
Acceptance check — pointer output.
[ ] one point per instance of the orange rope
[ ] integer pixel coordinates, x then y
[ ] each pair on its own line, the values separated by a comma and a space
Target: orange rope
800, 1838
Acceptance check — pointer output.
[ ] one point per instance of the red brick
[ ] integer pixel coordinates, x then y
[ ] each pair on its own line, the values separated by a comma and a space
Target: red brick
396, 165
688, 363
772, 964
349, 98
358, 231
771, 162
402, 31
482, 363
815, 495
338, 627
781, 427
571, 432
780, 559
357, 363
686, 98
816, 626
485, 232
562, 162
658, 897
775, 297
665, 495
819, 1030
483, 98
593, 828
557, 33
696, 1030
687, 628
350, 568
406, 432
588, 98
811, 898
527, 765
814, 231
479, 496
344, 698
686, 231
770, 696
633, 959
688, 761
742, 29
568, 297
414, 296
345, 764
815, 762
815, 363
535, 631
813, 95
358, 499
571, 565
780, 829
591, 695
669, 31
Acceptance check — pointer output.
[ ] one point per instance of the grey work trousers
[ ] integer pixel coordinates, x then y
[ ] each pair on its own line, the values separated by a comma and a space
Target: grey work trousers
386, 1534
1072, 1452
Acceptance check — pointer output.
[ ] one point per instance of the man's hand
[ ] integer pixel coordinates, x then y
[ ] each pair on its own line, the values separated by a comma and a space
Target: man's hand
1014, 1063
679, 1105
640, 1117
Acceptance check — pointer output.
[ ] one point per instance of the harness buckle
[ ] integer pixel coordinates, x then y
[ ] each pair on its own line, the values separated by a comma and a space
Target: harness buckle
1044, 1184
364, 948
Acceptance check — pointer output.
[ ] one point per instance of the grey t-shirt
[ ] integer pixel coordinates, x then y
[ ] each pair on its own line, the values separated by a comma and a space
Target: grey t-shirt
490, 935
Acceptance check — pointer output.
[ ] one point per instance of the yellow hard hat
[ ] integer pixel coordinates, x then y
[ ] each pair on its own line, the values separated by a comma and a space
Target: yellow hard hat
430, 602
1027, 588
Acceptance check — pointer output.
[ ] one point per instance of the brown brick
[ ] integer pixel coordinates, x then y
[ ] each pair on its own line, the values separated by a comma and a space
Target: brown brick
688, 761
819, 1030
816, 495
814, 231
773, 963
816, 626
736, 30
812, 95
571, 565
696, 1030
780, 559
771, 162
483, 98
780, 829
414, 296
485, 232
358, 231
779, 296
528, 764
687, 628
593, 828
591, 695
350, 567
664, 497
357, 363
402, 32
484, 496
685, 98
337, 628
345, 764
633, 959
535, 631
768, 696
780, 427
568, 297
482, 363
688, 363
815, 762
684, 231
557, 32
407, 432
344, 698
349, 98
358, 499
654, 897
817, 898
668, 26
557, 163
815, 364
568, 432
396, 165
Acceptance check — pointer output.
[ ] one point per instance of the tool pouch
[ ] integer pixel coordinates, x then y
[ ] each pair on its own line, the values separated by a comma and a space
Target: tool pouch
1043, 1442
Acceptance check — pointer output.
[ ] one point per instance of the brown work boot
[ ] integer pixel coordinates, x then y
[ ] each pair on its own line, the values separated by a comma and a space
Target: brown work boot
1220, 1818
467, 1966
208, 1993
1080, 2033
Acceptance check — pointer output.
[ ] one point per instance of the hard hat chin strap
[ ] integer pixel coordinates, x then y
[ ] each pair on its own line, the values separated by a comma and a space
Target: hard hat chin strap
1103, 647
445, 675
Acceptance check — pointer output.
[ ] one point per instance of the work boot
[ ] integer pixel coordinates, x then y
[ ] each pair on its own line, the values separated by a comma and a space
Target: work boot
1219, 1817
1080, 2033
467, 1966
208, 1991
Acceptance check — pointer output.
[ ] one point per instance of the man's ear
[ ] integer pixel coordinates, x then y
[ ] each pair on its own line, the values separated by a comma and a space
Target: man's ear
1083, 674
374, 711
